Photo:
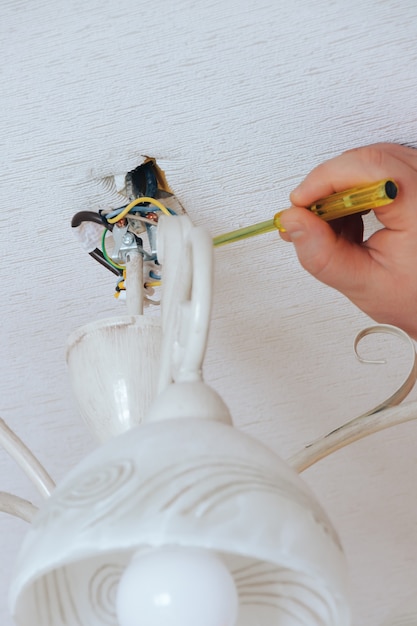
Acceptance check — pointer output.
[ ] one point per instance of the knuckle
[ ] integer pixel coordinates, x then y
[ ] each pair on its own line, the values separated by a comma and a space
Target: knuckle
373, 155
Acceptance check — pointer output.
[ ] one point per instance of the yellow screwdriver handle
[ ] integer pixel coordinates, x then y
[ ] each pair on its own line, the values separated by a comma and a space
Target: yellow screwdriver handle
355, 200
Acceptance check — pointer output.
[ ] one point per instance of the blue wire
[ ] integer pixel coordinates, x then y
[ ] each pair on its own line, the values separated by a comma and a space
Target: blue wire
154, 275
136, 209
115, 212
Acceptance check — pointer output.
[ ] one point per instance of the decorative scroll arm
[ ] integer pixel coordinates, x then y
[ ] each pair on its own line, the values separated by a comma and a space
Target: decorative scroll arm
379, 418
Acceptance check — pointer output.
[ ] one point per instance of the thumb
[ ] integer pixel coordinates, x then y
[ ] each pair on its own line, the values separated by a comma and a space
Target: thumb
329, 257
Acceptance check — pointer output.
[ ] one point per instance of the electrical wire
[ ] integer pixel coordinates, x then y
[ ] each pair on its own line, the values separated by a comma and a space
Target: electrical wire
98, 256
145, 220
137, 216
106, 213
109, 219
142, 200
88, 216
106, 256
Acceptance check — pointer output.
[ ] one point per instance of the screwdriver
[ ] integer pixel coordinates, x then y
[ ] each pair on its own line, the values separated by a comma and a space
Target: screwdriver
336, 205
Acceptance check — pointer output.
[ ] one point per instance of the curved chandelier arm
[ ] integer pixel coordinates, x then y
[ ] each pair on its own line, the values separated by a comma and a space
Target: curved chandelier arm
175, 259
26, 460
18, 507
404, 389
186, 254
379, 418
196, 323
354, 430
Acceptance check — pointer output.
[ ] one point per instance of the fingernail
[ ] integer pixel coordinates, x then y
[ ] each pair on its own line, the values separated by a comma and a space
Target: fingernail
277, 222
293, 229
296, 232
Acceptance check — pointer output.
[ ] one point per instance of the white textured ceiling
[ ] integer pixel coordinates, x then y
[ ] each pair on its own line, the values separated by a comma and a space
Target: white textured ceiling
237, 100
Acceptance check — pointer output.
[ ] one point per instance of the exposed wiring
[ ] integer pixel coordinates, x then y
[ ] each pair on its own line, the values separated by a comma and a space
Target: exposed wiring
106, 256
81, 218
145, 220
136, 216
142, 210
88, 216
106, 213
121, 286
98, 256
136, 202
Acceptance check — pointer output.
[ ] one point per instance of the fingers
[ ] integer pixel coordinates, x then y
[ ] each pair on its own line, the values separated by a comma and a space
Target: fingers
330, 257
364, 165
350, 227
378, 275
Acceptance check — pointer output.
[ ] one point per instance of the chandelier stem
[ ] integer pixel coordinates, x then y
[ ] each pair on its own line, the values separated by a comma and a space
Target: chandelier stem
18, 507
26, 460
134, 280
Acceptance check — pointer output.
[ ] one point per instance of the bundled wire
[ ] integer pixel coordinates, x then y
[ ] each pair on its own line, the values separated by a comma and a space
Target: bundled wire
83, 217
106, 256
143, 200
89, 216
98, 256
139, 209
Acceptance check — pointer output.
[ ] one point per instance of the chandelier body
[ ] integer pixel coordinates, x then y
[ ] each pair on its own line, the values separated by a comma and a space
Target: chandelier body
174, 475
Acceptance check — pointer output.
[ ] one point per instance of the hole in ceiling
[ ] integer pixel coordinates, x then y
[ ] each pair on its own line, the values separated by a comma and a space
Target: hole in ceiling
146, 179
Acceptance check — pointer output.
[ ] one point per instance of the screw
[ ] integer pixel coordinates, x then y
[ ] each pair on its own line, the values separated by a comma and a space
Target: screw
128, 239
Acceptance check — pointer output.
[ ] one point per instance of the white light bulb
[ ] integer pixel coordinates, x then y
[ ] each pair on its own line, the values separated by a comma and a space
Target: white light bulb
174, 586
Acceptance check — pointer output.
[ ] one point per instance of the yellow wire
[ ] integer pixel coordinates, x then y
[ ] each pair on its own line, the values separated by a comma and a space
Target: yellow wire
106, 256
130, 206
155, 283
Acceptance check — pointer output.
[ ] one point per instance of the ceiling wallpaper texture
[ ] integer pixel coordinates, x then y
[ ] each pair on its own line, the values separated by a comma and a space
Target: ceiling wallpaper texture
237, 101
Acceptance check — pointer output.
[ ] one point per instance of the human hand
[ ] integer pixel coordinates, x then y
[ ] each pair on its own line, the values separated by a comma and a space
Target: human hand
378, 275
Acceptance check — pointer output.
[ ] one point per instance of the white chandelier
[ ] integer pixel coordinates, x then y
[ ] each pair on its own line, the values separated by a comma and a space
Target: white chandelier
177, 519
